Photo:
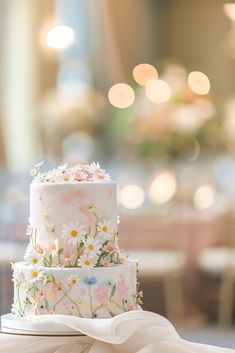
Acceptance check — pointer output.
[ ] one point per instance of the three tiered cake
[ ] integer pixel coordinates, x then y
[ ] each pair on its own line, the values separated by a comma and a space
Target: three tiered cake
73, 264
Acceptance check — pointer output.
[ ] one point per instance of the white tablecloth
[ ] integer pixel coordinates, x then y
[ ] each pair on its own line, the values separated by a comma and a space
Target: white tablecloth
132, 332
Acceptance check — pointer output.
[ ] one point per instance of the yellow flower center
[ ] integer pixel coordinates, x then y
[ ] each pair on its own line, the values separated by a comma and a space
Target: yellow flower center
66, 179
87, 262
74, 233
91, 247
53, 248
35, 274
110, 248
73, 281
105, 228
34, 260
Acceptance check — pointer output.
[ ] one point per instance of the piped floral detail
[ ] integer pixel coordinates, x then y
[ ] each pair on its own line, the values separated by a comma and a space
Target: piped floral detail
73, 233
64, 174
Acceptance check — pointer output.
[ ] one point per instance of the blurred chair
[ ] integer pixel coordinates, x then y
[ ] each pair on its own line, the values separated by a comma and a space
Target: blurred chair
9, 252
220, 262
167, 266
154, 242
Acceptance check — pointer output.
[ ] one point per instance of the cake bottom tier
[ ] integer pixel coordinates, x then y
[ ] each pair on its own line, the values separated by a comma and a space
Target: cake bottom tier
97, 292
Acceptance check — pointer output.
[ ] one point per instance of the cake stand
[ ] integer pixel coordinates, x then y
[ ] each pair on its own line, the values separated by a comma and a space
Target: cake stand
14, 325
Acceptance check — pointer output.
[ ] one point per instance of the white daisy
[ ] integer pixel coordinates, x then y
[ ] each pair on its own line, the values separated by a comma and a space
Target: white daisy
106, 229
34, 274
33, 258
92, 246
73, 280
73, 233
94, 167
88, 261
53, 247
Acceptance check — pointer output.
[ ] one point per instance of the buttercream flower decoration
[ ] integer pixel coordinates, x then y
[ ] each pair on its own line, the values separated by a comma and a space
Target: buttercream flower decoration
40, 249
87, 261
111, 247
53, 247
73, 280
103, 294
34, 274
68, 254
105, 229
90, 281
33, 258
73, 233
78, 173
92, 246
33, 172
105, 261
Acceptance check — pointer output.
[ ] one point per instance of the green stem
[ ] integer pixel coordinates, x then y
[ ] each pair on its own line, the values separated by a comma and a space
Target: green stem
98, 308
72, 301
90, 300
63, 296
119, 306
18, 297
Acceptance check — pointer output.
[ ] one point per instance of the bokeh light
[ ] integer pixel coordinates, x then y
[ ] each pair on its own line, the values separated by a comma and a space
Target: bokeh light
229, 10
158, 91
204, 197
143, 73
198, 82
121, 95
60, 37
132, 196
163, 187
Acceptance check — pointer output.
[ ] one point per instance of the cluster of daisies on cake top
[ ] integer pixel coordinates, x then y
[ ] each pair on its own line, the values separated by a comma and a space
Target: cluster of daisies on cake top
73, 264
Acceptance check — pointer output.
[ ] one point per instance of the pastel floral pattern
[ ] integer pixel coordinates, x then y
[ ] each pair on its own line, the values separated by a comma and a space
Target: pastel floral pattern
64, 174
78, 246
40, 292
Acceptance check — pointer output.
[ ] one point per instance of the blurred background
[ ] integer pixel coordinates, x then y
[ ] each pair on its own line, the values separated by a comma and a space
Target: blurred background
147, 87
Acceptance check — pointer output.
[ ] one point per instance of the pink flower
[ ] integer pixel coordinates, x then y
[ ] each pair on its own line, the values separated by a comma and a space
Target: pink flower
40, 249
100, 175
41, 295
111, 247
102, 295
80, 176
123, 290
105, 261
68, 254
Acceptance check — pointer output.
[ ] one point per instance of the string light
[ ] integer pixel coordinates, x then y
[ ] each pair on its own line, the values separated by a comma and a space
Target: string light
163, 187
158, 91
60, 37
143, 73
229, 10
132, 196
121, 95
198, 82
204, 197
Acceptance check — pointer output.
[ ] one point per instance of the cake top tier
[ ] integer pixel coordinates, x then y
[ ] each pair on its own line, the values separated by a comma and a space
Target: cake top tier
88, 173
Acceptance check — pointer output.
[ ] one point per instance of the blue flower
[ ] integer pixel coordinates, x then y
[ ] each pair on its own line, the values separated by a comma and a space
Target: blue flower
90, 281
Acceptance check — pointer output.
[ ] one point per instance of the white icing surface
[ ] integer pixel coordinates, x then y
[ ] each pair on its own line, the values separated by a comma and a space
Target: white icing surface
54, 205
96, 292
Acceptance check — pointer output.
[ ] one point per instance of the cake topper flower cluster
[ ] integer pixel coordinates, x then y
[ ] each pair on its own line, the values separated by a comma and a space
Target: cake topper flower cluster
63, 174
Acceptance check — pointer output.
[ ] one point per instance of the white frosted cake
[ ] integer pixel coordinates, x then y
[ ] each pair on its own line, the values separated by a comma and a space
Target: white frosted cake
73, 264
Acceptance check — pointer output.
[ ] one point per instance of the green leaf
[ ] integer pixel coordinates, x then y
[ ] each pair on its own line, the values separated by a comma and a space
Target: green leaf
113, 291
60, 251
